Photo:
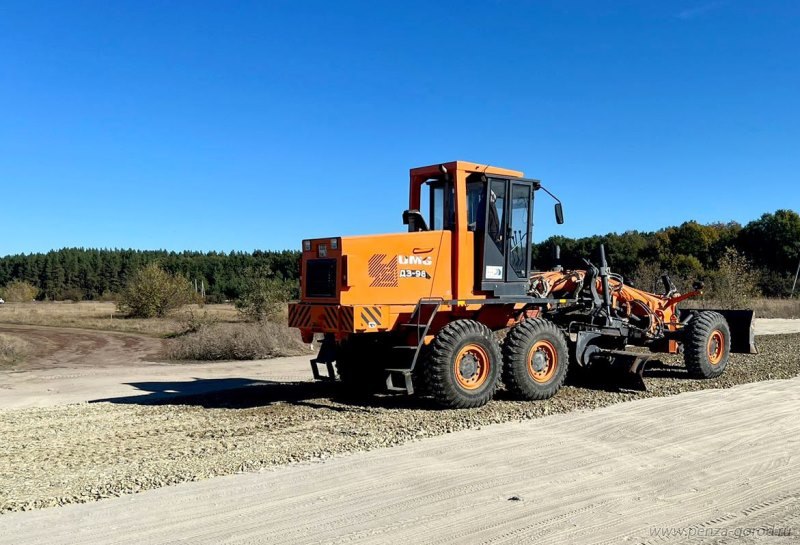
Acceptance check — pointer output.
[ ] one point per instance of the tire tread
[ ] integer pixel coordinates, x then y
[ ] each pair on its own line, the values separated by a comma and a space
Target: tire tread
438, 377
695, 353
515, 350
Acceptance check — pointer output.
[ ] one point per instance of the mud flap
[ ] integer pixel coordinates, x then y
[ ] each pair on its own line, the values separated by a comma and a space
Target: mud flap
742, 326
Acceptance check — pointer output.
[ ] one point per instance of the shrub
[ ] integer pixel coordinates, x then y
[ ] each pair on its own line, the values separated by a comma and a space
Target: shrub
194, 320
242, 341
72, 294
215, 298
12, 349
152, 292
735, 282
19, 292
108, 297
264, 298
647, 275
687, 266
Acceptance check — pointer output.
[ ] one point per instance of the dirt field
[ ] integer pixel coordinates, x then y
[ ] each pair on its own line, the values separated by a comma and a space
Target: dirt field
105, 316
68, 365
68, 348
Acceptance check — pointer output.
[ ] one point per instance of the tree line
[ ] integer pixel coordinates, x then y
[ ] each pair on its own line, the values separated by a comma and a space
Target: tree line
97, 274
771, 245
692, 251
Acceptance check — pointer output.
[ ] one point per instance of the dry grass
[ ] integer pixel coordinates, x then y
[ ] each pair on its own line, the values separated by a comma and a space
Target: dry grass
12, 349
105, 316
242, 341
763, 307
211, 332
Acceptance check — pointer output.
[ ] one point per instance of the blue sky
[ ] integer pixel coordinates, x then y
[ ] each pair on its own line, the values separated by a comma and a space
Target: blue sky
242, 125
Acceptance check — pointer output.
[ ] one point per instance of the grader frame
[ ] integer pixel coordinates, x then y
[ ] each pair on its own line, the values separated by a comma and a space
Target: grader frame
421, 308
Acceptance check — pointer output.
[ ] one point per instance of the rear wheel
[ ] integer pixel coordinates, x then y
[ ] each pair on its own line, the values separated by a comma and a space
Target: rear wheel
707, 345
535, 359
463, 369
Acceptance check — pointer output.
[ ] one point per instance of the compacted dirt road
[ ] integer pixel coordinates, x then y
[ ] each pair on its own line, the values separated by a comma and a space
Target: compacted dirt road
711, 466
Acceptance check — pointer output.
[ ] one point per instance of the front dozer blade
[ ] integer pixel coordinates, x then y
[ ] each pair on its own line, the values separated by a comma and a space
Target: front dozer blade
743, 334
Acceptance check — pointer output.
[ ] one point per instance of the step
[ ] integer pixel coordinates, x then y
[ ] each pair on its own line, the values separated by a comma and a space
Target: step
407, 387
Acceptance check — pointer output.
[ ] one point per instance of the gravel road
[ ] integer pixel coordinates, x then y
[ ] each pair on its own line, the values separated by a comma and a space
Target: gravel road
124, 367
717, 466
76, 453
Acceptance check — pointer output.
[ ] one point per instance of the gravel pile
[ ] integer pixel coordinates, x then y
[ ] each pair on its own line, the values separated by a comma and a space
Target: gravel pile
78, 453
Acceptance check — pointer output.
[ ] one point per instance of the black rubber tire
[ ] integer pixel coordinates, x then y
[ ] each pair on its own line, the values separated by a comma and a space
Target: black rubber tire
418, 377
440, 376
359, 365
516, 350
696, 342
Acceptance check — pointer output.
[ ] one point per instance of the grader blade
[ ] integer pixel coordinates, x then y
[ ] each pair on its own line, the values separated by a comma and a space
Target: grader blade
629, 365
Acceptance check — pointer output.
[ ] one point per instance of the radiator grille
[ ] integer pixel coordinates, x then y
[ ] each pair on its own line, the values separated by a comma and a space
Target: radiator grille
321, 278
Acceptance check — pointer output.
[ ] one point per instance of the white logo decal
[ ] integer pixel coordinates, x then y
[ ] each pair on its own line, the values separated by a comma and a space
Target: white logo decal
414, 260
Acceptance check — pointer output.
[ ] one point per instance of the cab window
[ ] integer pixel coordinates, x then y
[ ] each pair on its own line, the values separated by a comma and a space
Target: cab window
475, 201
440, 199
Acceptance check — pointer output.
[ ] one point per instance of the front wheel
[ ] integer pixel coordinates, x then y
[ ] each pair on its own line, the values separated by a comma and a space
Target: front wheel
535, 359
463, 369
707, 345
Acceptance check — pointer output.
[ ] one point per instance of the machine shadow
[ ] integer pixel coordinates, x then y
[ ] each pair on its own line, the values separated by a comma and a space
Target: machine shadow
230, 393
609, 379
245, 393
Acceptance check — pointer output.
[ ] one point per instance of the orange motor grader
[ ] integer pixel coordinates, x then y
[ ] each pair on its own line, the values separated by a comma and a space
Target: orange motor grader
419, 310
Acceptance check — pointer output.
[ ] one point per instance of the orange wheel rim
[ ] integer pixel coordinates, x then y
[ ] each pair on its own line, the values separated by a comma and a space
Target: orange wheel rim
471, 366
542, 361
715, 347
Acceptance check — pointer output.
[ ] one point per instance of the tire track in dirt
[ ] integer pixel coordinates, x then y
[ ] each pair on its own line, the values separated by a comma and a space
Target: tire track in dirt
701, 460
64, 348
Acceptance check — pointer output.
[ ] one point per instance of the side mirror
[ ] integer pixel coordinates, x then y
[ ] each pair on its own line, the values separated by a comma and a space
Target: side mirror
414, 220
559, 213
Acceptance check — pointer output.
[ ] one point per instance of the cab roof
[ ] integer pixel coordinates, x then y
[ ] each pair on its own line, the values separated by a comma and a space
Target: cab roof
466, 166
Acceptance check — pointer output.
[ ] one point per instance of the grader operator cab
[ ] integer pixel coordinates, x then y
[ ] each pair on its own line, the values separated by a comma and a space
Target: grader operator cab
419, 311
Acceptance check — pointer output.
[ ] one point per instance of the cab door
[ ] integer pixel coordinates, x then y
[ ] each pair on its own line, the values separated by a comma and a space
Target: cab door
518, 232
504, 232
